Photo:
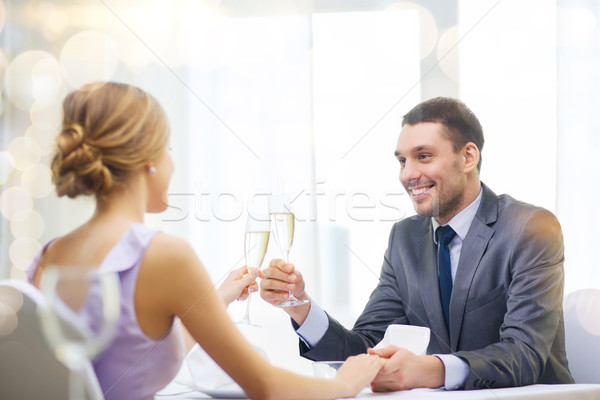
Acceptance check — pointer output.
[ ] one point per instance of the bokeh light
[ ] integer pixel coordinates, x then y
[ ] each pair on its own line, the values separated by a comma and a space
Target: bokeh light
28, 223
25, 152
139, 42
47, 80
44, 135
130, 50
428, 30
52, 19
22, 251
7, 164
37, 181
2, 15
18, 273
448, 53
8, 319
11, 298
31, 75
3, 66
42, 114
13, 201
88, 56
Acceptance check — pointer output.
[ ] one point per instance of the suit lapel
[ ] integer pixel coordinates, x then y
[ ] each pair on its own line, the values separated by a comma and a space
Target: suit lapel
472, 251
429, 285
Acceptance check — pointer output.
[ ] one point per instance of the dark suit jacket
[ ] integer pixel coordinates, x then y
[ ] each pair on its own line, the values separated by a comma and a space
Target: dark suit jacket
506, 319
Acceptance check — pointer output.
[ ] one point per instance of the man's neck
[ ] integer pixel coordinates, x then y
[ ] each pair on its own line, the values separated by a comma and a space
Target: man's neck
472, 189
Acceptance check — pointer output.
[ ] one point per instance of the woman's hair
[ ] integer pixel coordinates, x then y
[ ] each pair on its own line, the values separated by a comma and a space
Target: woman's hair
108, 130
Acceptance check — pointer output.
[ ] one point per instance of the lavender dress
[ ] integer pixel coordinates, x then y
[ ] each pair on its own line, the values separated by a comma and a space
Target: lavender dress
133, 366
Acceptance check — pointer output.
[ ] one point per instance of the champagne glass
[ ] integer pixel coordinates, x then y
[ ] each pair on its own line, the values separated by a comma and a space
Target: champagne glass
282, 222
81, 317
256, 241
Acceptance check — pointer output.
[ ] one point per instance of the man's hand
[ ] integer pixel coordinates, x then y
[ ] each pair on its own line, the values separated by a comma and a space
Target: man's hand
279, 278
404, 370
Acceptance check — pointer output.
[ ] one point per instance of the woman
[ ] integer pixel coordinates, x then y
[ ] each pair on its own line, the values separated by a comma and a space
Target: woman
113, 145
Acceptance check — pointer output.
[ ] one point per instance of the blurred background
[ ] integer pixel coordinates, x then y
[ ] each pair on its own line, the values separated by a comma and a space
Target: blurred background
307, 96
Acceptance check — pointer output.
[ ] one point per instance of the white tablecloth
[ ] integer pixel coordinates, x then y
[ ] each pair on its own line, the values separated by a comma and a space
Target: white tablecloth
541, 392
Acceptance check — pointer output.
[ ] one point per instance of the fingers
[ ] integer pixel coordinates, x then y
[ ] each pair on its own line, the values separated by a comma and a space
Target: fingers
247, 283
385, 352
253, 287
273, 296
370, 360
286, 273
359, 370
278, 279
281, 265
238, 273
244, 295
384, 385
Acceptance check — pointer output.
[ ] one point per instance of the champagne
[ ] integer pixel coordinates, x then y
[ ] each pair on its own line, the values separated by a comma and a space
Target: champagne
283, 229
255, 247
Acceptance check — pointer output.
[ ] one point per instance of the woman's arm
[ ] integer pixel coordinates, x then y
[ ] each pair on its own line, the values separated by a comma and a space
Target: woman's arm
190, 295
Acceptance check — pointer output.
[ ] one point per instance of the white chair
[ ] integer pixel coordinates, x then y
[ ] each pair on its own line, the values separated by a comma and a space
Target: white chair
582, 334
28, 366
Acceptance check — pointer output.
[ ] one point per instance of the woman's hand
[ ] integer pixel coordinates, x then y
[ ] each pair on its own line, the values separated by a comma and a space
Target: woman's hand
404, 370
358, 372
238, 284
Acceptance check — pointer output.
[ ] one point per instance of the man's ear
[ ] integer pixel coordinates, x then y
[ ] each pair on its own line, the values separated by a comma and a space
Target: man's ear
470, 153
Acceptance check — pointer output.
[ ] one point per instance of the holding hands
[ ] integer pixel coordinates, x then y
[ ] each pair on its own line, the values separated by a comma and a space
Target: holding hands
404, 370
358, 371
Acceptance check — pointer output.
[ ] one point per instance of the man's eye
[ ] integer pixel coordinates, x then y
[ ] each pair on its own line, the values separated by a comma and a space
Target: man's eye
424, 156
402, 162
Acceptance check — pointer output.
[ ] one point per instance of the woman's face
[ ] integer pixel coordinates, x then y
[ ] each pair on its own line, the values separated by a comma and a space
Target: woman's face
159, 183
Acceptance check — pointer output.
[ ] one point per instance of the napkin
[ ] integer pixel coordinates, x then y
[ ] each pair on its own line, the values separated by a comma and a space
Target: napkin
412, 338
206, 374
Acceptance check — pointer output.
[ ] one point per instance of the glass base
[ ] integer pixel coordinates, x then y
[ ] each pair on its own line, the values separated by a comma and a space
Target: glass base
292, 302
247, 322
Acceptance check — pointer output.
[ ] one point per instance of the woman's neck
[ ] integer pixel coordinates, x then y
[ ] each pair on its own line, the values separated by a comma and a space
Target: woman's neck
127, 204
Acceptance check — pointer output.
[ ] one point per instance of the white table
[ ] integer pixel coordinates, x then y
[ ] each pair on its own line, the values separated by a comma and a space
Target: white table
541, 392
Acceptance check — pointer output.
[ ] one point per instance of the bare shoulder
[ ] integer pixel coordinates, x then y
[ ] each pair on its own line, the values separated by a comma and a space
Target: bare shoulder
172, 259
171, 251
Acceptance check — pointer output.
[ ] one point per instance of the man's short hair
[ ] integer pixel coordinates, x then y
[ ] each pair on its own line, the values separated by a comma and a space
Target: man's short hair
462, 126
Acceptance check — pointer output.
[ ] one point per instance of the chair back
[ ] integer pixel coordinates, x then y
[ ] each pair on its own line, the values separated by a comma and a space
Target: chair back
582, 334
29, 368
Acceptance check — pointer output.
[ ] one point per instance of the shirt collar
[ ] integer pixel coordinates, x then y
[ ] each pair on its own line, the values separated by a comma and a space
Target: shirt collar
461, 222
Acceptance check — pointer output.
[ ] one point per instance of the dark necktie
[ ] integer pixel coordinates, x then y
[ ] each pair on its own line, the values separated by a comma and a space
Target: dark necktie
444, 236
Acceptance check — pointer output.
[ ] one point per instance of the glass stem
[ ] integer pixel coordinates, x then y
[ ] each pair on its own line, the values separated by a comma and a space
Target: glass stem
247, 314
291, 296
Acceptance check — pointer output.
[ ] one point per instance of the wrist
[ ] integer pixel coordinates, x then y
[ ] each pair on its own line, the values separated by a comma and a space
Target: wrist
221, 294
345, 388
299, 313
437, 372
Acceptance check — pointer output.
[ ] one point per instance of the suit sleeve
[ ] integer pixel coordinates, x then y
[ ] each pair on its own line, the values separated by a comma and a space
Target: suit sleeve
383, 308
534, 308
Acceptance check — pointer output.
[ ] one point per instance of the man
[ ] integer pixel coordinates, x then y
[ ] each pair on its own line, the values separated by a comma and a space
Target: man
490, 291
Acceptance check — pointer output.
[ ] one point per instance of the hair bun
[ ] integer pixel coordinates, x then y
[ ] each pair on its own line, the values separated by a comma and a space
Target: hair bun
77, 166
109, 132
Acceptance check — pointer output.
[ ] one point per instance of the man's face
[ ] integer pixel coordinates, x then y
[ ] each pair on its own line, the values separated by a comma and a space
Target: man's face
430, 171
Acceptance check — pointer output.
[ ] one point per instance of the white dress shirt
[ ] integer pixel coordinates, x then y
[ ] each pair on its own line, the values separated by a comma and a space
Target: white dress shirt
316, 324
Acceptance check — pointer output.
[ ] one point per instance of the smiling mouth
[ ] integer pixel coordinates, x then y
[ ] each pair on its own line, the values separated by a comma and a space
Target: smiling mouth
420, 190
